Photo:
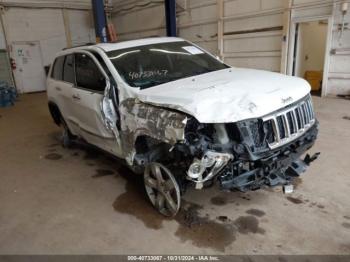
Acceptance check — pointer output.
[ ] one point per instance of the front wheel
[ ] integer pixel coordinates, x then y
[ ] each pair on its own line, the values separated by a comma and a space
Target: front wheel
162, 189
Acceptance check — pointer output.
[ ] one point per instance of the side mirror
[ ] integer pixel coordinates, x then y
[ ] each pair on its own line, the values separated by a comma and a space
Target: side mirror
218, 58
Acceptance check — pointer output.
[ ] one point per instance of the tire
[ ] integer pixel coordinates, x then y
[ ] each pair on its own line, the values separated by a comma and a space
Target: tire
162, 189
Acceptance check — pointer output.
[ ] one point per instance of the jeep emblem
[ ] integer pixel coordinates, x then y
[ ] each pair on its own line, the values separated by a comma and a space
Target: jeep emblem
287, 100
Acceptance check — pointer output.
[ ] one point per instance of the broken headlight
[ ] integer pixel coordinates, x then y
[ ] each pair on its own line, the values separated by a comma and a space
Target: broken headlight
253, 133
202, 170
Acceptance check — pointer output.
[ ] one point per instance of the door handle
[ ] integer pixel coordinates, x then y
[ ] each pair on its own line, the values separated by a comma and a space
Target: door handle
58, 88
76, 97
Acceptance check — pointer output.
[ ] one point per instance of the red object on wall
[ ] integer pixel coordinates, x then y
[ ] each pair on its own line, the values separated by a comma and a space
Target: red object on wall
13, 64
111, 33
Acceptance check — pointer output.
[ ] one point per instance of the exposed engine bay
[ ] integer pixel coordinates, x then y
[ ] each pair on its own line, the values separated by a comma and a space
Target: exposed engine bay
243, 155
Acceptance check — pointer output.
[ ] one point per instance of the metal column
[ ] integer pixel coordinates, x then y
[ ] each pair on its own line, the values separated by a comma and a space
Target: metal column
100, 21
170, 15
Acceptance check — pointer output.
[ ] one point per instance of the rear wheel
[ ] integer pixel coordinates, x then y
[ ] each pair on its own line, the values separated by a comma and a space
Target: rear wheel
162, 189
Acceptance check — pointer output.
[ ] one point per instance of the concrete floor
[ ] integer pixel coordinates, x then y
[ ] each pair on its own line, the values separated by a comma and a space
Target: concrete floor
80, 201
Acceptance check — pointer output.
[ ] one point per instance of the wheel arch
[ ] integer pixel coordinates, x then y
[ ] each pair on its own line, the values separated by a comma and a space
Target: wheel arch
55, 113
142, 121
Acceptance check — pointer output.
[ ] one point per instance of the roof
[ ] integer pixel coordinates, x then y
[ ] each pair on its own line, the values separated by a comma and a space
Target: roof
139, 42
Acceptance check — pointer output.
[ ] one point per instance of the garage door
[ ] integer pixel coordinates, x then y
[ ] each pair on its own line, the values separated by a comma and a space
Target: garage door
5, 70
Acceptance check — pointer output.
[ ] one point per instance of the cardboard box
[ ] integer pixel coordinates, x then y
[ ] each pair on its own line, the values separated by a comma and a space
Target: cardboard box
315, 79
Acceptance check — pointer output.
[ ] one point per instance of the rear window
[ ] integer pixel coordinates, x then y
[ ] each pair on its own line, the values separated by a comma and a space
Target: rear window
58, 68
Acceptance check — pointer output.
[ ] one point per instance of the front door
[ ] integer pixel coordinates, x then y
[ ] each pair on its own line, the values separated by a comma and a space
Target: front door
29, 73
88, 95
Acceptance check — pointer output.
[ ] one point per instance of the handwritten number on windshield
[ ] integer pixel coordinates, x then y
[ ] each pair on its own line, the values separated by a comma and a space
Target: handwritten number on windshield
147, 74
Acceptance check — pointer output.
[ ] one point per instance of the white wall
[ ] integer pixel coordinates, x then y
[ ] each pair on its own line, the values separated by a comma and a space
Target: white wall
76, 4
338, 69
198, 22
132, 21
36, 25
248, 33
81, 27
53, 24
46, 26
253, 33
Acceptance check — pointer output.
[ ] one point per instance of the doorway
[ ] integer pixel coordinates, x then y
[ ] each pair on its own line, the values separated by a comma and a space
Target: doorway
29, 73
310, 53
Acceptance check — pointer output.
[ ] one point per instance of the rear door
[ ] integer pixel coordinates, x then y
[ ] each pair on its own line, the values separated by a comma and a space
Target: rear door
67, 84
60, 85
88, 94
59, 91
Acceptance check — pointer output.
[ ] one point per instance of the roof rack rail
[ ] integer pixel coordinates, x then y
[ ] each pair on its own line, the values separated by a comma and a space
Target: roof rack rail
87, 44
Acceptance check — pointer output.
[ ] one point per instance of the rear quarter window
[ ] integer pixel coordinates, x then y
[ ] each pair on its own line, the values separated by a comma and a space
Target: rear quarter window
58, 68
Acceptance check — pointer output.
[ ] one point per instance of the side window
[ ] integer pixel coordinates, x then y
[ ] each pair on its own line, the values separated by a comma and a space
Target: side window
88, 75
113, 83
68, 69
102, 62
57, 68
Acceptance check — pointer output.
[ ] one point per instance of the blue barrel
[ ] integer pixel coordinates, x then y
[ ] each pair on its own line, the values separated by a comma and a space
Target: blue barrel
8, 94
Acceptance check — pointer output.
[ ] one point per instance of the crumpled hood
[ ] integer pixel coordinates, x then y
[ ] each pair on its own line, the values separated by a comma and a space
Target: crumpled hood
228, 95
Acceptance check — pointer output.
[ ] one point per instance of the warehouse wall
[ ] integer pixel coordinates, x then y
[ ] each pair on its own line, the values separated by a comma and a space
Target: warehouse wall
47, 27
81, 26
338, 63
138, 19
339, 66
198, 22
52, 25
254, 33
31, 25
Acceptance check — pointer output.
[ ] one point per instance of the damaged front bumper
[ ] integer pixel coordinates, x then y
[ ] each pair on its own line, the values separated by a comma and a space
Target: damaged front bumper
276, 167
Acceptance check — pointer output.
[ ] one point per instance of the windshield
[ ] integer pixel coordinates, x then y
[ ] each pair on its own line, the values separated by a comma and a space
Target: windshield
150, 65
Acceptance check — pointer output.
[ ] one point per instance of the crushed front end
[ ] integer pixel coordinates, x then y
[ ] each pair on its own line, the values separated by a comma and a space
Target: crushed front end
251, 154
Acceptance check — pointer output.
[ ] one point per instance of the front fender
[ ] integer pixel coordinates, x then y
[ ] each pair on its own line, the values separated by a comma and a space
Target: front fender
141, 119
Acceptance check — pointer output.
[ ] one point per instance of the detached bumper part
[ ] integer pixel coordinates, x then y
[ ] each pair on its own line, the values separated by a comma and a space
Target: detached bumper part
260, 177
308, 159
278, 169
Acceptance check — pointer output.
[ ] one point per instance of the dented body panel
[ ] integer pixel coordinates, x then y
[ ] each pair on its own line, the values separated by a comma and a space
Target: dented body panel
140, 119
228, 95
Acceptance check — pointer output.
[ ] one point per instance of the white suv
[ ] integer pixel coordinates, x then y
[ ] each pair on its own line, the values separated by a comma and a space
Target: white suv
182, 117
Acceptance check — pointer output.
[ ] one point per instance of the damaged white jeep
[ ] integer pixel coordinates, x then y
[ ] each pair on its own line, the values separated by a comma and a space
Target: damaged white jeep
182, 117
